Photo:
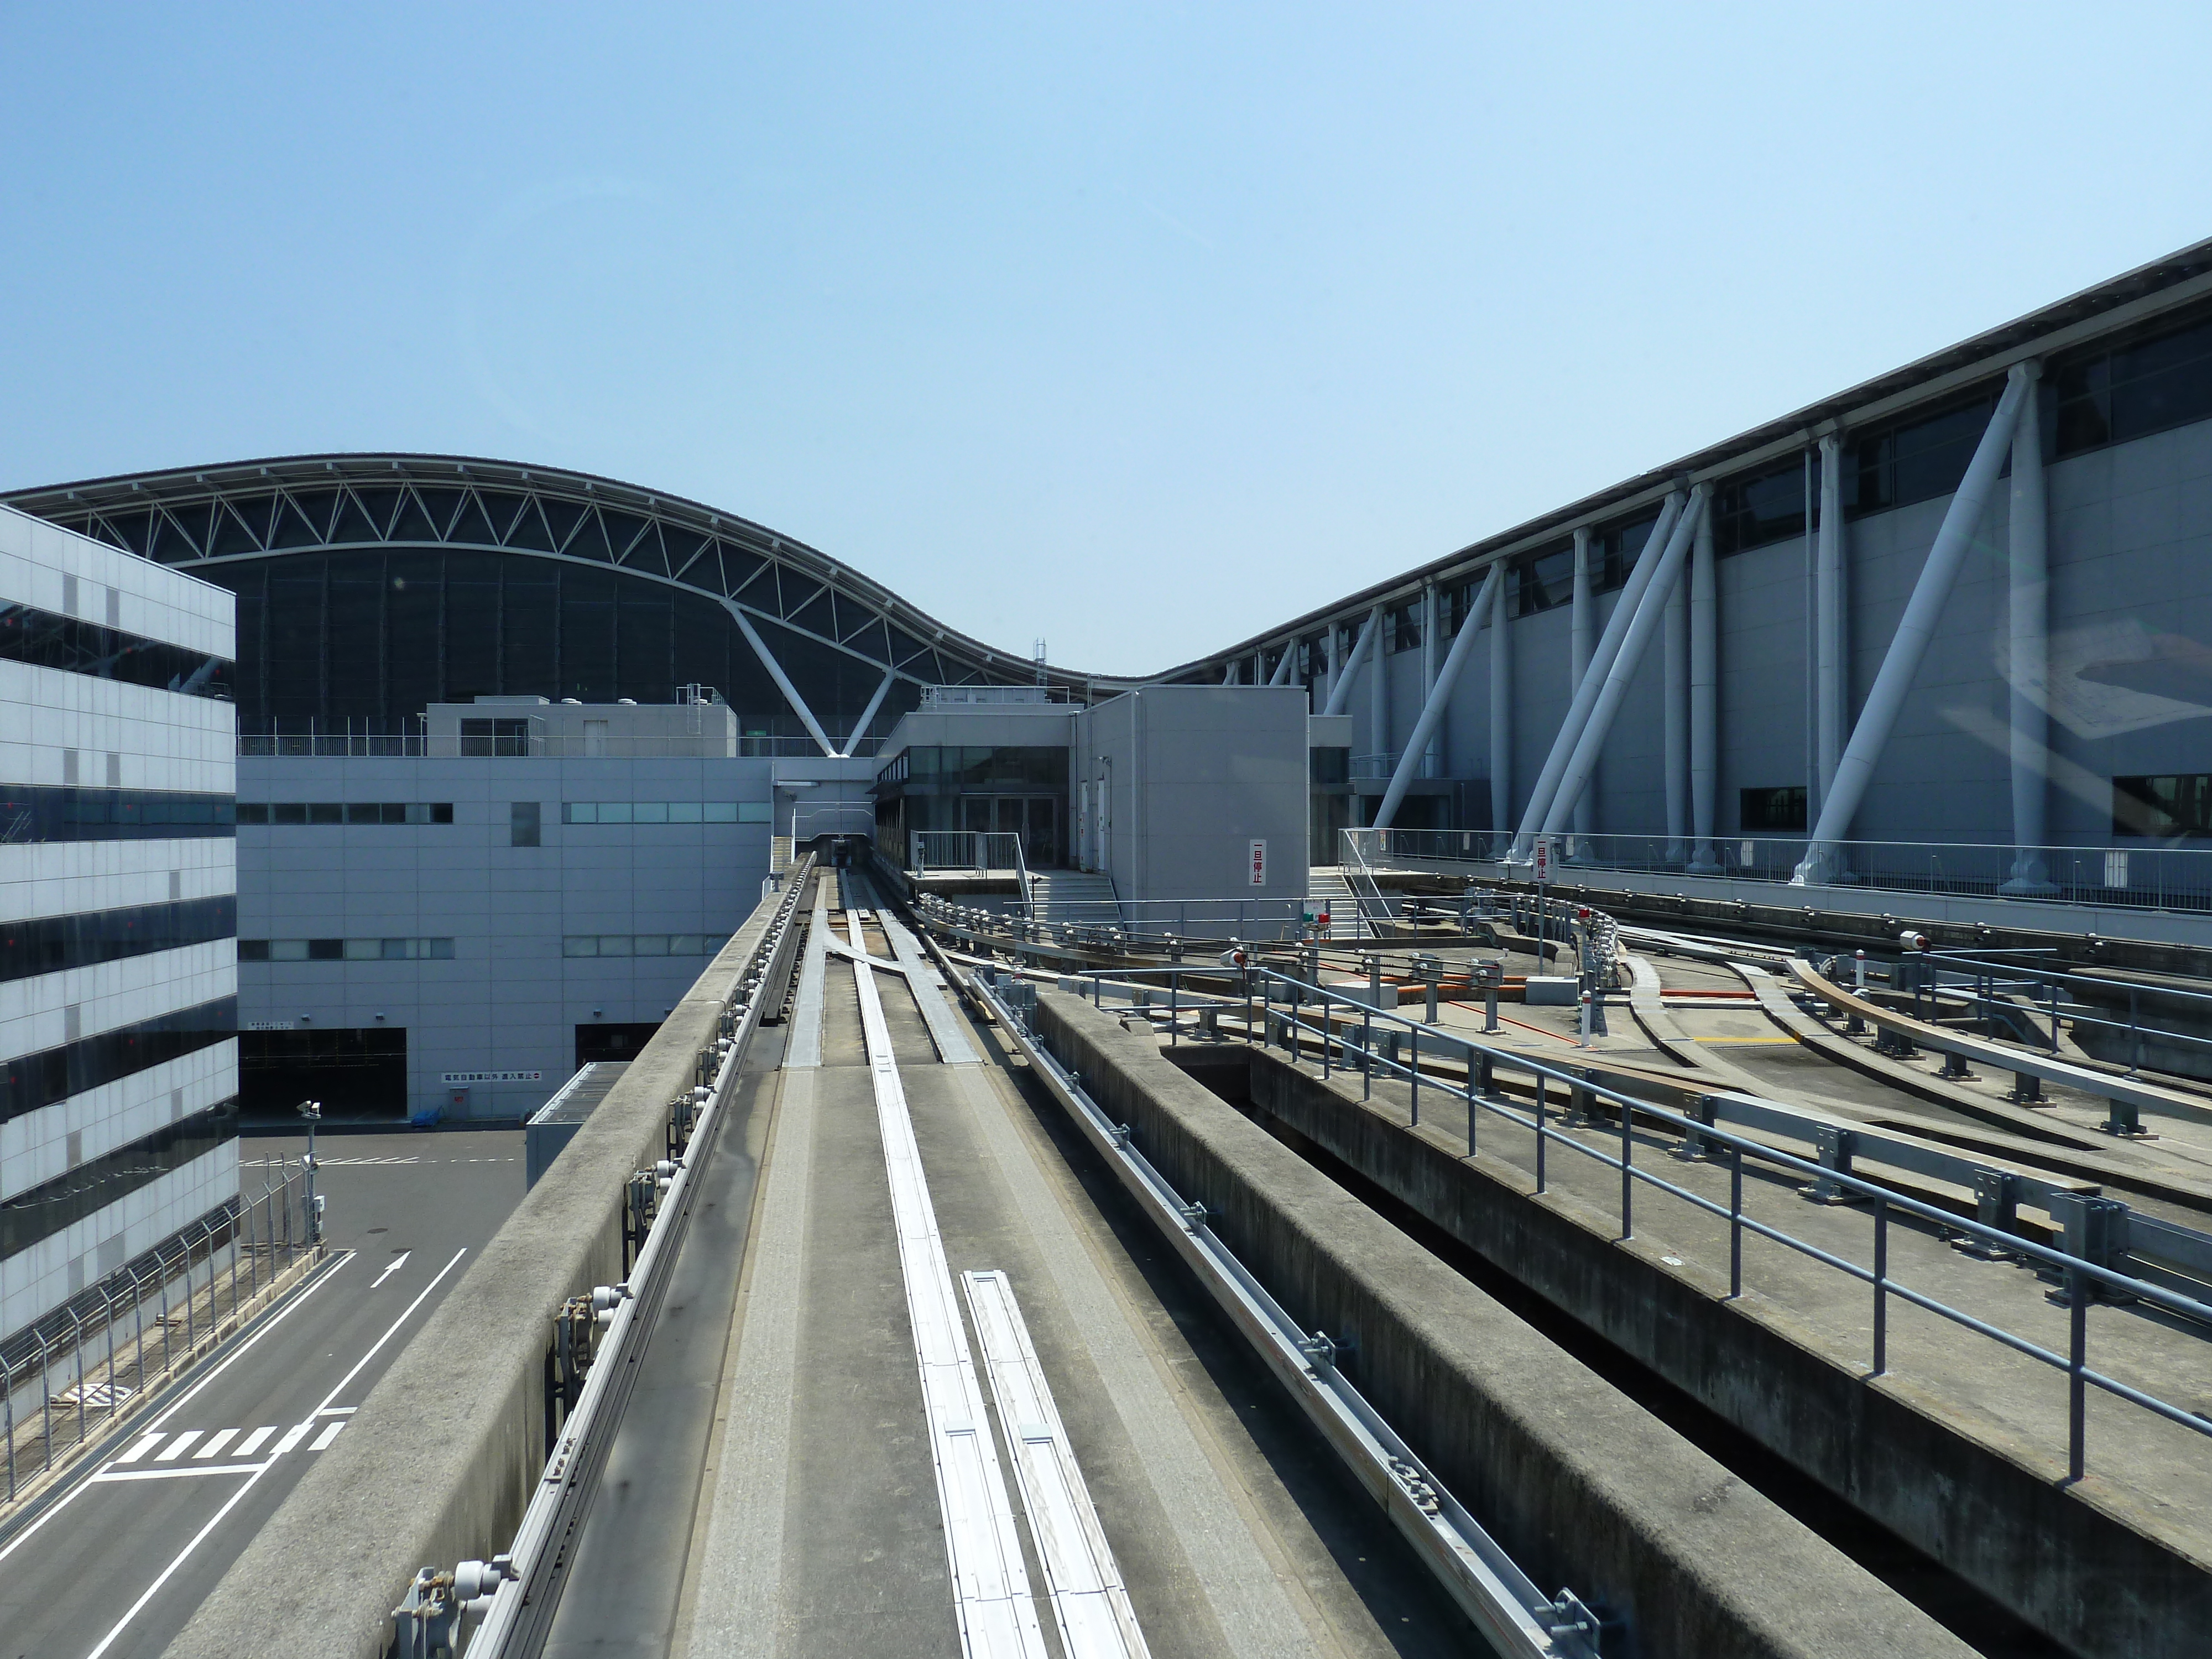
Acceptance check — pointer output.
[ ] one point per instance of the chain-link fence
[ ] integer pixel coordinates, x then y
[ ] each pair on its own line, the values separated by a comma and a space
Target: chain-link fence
69, 1377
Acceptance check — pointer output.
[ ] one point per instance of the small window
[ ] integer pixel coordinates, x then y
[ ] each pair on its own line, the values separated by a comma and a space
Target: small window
580, 945
287, 949
441, 811
1545, 581
326, 949
522, 824
650, 944
1772, 810
253, 811
392, 950
364, 812
579, 812
683, 811
415, 811
254, 950
649, 811
441, 949
614, 945
685, 944
392, 812
287, 812
364, 950
614, 812
326, 811
2170, 804
720, 811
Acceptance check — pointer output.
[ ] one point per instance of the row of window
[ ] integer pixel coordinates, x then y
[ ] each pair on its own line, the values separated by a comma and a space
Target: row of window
2172, 804
30, 1081
946, 767
46, 639
664, 811
345, 812
33, 812
49, 945
345, 949
42, 1211
642, 944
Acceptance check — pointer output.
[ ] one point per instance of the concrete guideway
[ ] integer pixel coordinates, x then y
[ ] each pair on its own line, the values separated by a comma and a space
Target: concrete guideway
1154, 1478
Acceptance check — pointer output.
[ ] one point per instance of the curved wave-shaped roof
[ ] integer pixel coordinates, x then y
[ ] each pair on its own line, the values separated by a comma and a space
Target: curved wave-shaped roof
261, 509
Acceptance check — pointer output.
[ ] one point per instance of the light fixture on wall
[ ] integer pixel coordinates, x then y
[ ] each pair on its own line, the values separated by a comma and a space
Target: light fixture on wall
380, 1014
596, 1012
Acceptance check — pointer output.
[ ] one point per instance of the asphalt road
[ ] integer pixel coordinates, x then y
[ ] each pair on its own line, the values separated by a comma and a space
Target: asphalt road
116, 1567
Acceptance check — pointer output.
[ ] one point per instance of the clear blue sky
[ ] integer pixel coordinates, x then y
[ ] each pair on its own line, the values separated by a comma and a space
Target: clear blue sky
1138, 328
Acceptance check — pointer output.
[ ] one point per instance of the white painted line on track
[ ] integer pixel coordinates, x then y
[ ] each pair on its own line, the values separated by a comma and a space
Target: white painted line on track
293, 1437
338, 1411
990, 1584
212, 1448
70, 1497
107, 1475
253, 1442
253, 1480
1088, 1596
398, 1262
329, 1433
176, 1447
144, 1445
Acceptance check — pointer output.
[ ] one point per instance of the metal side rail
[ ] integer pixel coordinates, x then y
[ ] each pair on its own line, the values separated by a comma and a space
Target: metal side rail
1512, 1614
515, 1595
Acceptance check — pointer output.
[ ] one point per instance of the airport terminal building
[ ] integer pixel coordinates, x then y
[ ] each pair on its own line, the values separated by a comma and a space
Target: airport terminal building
1960, 612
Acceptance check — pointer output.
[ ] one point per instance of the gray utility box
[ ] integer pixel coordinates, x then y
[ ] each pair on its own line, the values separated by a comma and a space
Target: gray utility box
1553, 990
554, 1125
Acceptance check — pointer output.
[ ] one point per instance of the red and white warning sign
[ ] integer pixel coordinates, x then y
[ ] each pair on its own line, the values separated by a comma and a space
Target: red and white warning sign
1543, 859
1256, 870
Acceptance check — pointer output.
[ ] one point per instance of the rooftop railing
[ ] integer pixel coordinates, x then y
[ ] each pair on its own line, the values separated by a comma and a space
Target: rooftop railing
1568, 1111
2147, 874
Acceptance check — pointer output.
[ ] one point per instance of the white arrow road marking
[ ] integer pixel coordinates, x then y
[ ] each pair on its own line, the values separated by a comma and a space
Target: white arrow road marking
398, 1262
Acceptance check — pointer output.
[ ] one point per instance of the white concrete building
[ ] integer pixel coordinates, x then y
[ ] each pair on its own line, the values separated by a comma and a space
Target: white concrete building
118, 880
454, 927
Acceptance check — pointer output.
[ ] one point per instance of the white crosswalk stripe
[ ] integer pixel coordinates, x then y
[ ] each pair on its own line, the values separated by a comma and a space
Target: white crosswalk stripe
200, 1450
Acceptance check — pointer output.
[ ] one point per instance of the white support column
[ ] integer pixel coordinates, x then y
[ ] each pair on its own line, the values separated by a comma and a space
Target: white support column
1432, 710
1378, 693
1704, 698
1431, 638
2029, 666
1284, 664
1675, 682
1812, 648
1334, 664
1915, 629
1538, 810
1230, 672
1582, 632
1833, 669
782, 680
1635, 639
860, 725
1501, 701
1361, 648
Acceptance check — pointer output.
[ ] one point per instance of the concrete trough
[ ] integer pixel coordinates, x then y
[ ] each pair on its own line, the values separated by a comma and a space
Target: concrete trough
1584, 1488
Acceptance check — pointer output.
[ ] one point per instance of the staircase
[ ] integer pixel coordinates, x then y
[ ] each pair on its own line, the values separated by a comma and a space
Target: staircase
1328, 891
1074, 896
778, 854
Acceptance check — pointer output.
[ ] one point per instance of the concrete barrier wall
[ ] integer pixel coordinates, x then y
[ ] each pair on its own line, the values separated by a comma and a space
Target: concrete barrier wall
440, 1461
1584, 1487
2066, 1563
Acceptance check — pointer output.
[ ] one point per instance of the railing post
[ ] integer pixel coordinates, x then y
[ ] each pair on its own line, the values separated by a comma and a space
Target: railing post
2077, 1388
1542, 1133
8, 1420
1880, 1285
1627, 1150
1175, 1005
1325, 1034
1736, 1222
1414, 1037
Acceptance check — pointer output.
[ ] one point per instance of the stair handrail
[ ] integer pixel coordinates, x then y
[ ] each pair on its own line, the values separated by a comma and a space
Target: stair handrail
1352, 843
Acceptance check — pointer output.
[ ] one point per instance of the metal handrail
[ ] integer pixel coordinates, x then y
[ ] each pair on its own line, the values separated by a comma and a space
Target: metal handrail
2076, 1274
